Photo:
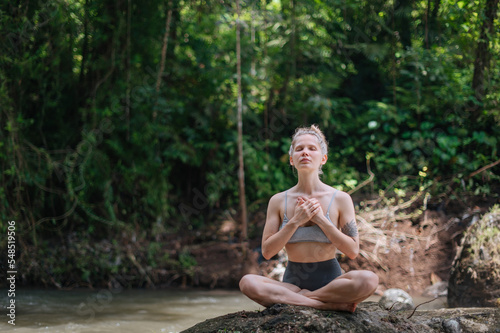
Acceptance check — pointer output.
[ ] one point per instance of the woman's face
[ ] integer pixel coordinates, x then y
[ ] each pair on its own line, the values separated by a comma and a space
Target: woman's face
306, 153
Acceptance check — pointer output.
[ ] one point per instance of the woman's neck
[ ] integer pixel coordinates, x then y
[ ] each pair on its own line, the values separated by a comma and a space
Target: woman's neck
309, 183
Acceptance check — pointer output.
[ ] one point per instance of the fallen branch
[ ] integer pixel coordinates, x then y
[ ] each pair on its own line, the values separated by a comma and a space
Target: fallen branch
143, 272
489, 166
367, 181
419, 305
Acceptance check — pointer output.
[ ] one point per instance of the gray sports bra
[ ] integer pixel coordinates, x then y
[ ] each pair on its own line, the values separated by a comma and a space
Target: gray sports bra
308, 234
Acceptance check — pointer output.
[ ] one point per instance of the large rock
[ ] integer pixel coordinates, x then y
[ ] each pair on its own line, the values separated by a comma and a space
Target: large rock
475, 273
368, 317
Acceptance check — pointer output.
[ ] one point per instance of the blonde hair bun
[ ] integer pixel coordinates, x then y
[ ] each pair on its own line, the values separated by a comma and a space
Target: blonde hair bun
313, 130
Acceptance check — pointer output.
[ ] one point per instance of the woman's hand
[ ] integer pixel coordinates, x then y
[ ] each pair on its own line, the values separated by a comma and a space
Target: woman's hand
319, 216
306, 210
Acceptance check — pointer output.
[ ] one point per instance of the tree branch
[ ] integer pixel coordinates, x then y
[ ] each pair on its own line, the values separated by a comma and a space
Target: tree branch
491, 165
367, 181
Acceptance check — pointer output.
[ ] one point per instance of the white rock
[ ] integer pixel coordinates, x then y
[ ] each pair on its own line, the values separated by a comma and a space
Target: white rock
396, 299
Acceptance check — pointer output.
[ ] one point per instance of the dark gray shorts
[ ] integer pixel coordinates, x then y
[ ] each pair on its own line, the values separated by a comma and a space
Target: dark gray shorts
312, 275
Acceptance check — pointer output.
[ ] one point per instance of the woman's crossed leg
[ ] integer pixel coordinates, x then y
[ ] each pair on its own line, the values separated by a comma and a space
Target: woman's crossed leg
342, 294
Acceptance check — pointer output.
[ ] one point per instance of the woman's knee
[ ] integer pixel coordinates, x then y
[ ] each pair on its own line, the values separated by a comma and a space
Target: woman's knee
370, 281
366, 282
247, 283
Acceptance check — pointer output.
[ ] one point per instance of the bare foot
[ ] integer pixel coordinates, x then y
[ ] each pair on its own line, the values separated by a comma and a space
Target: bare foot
348, 307
304, 292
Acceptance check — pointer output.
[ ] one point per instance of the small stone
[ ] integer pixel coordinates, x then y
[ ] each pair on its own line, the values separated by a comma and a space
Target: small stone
437, 289
275, 309
451, 326
471, 326
396, 300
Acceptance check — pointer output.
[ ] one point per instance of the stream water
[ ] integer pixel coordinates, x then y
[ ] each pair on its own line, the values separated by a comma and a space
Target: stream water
151, 311
118, 310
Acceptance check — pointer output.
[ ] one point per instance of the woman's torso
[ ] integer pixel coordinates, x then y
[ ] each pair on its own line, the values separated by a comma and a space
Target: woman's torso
311, 251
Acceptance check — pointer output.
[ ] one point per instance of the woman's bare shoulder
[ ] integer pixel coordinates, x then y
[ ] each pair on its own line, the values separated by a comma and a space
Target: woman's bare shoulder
342, 197
276, 207
277, 198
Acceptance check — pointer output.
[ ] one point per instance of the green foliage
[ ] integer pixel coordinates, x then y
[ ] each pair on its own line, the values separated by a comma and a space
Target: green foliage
187, 261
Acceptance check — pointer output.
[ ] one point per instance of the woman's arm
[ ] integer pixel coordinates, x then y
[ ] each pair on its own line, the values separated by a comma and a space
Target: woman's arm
274, 239
345, 237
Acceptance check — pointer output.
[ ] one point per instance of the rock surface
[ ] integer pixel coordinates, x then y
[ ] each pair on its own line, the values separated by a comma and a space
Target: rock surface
368, 317
475, 274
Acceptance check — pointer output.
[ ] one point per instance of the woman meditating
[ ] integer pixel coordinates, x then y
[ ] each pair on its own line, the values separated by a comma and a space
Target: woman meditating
311, 220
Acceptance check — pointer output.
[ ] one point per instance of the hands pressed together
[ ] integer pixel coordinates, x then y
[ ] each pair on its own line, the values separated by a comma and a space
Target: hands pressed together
308, 210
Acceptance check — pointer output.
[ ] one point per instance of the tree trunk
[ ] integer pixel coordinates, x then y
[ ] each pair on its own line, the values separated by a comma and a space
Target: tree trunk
402, 16
85, 46
241, 170
433, 23
291, 62
483, 56
253, 70
393, 62
164, 48
293, 42
426, 34
127, 68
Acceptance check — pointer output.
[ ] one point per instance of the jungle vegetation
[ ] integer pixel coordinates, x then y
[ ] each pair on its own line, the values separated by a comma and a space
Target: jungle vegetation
119, 118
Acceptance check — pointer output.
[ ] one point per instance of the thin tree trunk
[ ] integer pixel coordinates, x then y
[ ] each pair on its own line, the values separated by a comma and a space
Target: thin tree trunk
164, 48
85, 51
293, 47
291, 64
253, 70
427, 15
433, 23
483, 56
127, 96
85, 42
393, 51
402, 17
269, 101
241, 170
268, 106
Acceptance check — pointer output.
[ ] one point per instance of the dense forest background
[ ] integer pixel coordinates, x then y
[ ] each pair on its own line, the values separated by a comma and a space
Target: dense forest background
119, 118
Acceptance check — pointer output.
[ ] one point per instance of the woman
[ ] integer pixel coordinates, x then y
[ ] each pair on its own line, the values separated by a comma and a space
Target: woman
296, 220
